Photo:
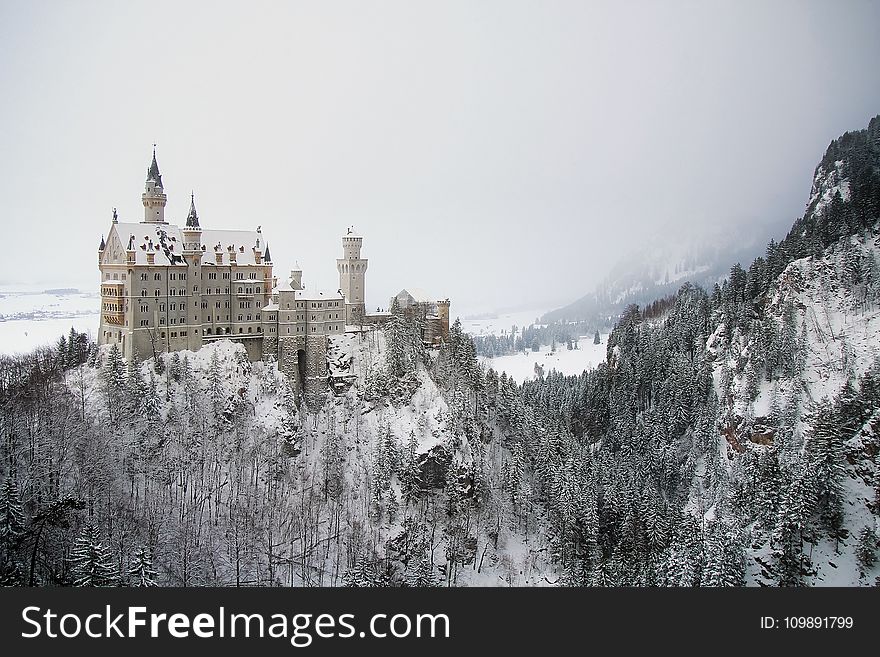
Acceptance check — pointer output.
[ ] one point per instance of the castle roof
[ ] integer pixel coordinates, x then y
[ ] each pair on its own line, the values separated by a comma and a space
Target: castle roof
192, 219
153, 172
317, 295
417, 294
167, 242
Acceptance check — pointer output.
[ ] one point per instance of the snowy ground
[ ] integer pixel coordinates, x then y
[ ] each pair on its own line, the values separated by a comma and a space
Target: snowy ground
521, 366
29, 320
501, 323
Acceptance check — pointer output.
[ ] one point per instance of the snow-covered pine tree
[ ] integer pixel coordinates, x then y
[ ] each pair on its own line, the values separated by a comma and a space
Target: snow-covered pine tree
11, 518
90, 561
141, 572
825, 458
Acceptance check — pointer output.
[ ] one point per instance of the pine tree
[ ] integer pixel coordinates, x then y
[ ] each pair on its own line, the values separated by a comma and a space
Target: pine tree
725, 556
11, 516
141, 572
409, 477
215, 387
90, 560
422, 575
825, 455
597, 339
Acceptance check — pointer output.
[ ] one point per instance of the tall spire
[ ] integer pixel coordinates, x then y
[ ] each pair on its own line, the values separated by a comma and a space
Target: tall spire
153, 172
192, 219
267, 257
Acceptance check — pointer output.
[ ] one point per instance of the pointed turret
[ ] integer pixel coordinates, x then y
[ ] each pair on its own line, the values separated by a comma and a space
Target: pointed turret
154, 194
267, 257
102, 245
153, 172
192, 219
192, 234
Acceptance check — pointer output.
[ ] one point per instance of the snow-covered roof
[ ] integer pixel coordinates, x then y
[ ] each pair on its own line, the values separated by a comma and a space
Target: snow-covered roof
317, 295
418, 295
167, 241
271, 306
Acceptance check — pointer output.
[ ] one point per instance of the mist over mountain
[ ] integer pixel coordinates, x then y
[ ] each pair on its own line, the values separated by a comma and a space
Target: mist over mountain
657, 271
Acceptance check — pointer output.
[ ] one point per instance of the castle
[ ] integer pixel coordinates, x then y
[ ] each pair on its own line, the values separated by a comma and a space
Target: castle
167, 288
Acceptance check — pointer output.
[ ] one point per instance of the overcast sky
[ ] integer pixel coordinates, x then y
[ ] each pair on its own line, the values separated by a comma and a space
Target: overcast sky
499, 153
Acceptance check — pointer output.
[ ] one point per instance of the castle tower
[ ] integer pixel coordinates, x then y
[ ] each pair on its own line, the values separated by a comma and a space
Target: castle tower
352, 269
296, 277
443, 314
192, 231
192, 255
154, 194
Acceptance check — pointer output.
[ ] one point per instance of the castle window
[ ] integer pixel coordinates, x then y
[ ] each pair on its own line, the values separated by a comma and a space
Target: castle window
144, 322
259, 329
250, 329
143, 293
208, 331
157, 276
240, 330
183, 278
173, 334
157, 292
195, 289
161, 321
163, 334
143, 276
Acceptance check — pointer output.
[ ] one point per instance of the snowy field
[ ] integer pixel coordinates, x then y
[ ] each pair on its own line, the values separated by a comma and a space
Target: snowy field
521, 366
29, 320
501, 323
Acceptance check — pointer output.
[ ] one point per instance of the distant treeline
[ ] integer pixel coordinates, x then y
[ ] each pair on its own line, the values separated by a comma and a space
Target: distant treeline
532, 338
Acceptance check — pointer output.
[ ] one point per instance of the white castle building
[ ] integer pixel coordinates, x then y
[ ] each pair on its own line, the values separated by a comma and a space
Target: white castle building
166, 287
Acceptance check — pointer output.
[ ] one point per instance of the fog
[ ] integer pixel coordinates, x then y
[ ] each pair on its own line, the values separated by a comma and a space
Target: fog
503, 154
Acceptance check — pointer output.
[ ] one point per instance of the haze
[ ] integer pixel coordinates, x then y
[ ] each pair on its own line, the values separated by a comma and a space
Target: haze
504, 154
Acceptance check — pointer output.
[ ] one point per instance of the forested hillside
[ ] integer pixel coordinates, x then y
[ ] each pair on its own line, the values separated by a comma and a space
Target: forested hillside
730, 438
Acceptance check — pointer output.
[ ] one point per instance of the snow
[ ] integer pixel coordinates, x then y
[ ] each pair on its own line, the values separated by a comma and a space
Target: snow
498, 324
31, 320
842, 343
22, 336
521, 366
